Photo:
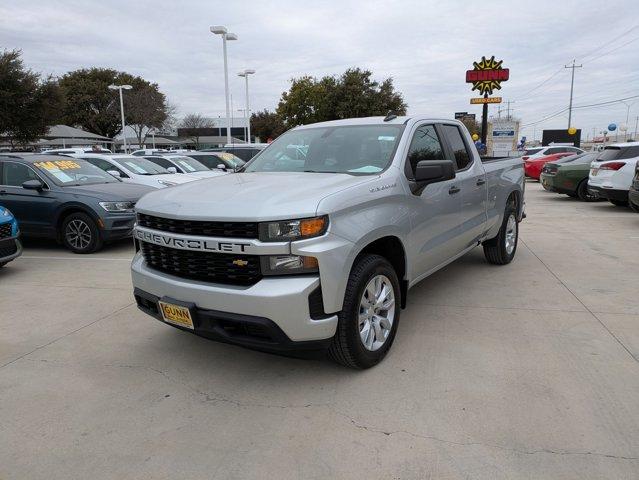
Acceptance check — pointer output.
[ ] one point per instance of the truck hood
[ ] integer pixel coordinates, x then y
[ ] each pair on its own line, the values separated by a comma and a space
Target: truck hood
255, 196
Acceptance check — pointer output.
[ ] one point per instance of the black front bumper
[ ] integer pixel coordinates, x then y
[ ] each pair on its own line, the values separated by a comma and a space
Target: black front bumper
117, 227
608, 193
10, 248
258, 333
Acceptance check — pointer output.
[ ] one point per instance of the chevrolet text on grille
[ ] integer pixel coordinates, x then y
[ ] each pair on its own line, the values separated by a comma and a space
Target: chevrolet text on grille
191, 243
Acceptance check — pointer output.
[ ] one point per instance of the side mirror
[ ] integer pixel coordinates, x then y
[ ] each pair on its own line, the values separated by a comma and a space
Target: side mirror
221, 166
172, 170
433, 171
114, 173
33, 185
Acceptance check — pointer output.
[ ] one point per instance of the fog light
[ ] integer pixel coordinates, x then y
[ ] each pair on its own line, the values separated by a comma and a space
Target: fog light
288, 264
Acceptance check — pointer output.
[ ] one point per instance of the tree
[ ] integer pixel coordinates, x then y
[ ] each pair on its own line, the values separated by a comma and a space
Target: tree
472, 125
192, 124
353, 94
28, 105
267, 125
91, 105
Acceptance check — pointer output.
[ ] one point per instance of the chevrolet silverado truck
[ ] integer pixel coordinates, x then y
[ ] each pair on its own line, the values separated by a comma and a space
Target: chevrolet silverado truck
316, 242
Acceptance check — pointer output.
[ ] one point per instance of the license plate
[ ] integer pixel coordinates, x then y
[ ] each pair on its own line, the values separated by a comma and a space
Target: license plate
594, 172
176, 314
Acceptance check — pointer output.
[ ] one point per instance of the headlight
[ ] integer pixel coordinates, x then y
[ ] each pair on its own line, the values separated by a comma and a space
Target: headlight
118, 207
290, 230
167, 183
288, 264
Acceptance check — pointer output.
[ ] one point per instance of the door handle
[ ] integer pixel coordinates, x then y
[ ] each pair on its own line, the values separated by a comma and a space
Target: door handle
480, 182
3, 192
453, 190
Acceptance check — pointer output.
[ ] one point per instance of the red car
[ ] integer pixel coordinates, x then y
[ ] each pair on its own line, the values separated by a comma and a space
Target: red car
533, 166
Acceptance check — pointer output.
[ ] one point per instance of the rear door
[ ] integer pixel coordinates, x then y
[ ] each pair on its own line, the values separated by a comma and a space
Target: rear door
471, 179
34, 210
435, 209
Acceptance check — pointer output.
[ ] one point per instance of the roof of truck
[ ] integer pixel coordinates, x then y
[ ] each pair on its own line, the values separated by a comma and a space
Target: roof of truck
377, 121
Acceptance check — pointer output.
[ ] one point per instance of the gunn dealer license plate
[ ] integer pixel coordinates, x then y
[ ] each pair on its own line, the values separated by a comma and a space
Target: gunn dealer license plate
176, 314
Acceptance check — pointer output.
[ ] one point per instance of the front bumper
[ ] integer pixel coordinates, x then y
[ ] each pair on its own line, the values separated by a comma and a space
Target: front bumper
608, 193
10, 248
282, 302
117, 226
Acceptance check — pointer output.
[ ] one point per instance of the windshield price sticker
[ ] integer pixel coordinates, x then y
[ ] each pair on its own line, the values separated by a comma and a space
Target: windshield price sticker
58, 165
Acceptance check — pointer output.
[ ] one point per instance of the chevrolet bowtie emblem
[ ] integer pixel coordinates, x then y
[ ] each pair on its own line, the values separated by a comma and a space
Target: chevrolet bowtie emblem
240, 262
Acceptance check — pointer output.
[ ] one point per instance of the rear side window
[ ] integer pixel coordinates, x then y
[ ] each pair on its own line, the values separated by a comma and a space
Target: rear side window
162, 162
630, 152
553, 150
458, 146
532, 151
424, 146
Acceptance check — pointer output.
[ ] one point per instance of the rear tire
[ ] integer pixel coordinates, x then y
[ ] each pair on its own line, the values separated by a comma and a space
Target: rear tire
582, 192
501, 249
619, 203
365, 329
80, 233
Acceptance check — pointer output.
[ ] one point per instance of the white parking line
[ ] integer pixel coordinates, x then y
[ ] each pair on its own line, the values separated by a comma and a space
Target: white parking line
36, 257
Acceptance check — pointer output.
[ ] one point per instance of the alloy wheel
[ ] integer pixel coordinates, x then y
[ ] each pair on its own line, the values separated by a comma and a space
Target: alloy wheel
78, 234
376, 312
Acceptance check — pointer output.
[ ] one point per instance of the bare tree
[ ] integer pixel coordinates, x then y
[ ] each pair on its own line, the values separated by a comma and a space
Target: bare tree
192, 124
146, 109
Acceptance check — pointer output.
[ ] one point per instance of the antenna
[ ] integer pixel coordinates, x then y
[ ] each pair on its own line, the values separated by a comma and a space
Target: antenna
390, 116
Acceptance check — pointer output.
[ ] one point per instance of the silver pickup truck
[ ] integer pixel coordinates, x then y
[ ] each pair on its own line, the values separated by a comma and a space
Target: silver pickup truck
317, 241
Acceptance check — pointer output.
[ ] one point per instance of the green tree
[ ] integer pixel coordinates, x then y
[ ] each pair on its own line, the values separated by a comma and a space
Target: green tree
267, 125
91, 105
352, 94
28, 104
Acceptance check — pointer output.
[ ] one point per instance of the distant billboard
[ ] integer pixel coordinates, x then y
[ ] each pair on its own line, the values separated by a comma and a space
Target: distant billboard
561, 137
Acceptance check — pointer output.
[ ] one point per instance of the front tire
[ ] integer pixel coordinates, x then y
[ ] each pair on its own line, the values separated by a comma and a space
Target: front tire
501, 249
80, 233
368, 321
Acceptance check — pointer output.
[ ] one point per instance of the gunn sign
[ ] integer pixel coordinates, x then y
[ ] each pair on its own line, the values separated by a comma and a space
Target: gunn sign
487, 75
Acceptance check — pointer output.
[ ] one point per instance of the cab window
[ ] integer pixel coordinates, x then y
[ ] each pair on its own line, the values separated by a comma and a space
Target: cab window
461, 156
425, 145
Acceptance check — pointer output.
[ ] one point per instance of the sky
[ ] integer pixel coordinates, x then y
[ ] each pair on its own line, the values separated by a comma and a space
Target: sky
425, 46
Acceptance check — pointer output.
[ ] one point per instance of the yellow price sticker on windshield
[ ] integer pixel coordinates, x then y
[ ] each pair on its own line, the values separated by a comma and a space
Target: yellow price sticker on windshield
58, 165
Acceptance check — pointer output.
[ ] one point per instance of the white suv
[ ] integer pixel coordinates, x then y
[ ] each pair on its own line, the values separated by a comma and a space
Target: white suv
612, 171
532, 153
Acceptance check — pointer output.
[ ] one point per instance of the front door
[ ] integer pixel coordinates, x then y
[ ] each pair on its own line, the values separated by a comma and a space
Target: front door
435, 209
34, 210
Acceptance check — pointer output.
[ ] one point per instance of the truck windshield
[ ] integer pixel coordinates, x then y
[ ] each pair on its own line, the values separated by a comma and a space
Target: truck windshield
189, 165
352, 149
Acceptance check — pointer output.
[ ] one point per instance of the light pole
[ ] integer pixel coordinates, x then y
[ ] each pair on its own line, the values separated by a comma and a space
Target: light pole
222, 30
120, 88
246, 74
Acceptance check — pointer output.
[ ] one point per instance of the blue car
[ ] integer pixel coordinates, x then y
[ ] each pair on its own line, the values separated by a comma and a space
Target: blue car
10, 246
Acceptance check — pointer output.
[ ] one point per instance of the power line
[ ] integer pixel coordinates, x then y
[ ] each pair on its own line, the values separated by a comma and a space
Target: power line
540, 85
614, 49
608, 43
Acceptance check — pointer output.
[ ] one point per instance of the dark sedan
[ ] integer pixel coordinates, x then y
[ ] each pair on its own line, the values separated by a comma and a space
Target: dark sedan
67, 199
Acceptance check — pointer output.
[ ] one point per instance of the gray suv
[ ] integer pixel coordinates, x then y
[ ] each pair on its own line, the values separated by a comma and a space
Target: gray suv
67, 199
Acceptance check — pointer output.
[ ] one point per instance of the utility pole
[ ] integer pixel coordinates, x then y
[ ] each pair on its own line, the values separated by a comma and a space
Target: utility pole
508, 109
636, 122
572, 85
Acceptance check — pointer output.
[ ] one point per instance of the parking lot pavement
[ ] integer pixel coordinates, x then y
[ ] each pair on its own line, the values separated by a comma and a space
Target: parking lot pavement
525, 371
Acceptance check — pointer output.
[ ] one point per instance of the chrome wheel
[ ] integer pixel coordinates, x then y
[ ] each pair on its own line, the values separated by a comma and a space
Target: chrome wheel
376, 312
78, 234
511, 234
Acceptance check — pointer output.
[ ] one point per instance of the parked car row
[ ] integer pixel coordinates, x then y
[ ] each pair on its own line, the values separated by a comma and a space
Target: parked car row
611, 174
85, 198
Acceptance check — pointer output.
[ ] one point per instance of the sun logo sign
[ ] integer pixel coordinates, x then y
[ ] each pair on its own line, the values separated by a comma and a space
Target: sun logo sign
487, 75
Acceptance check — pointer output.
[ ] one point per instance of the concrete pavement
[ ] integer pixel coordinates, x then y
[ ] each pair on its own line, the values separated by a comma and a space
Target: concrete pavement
525, 371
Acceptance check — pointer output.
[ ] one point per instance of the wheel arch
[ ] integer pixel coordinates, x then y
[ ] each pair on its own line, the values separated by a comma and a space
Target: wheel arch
69, 208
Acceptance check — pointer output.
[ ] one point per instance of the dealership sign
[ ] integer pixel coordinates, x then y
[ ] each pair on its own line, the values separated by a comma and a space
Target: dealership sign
480, 100
487, 76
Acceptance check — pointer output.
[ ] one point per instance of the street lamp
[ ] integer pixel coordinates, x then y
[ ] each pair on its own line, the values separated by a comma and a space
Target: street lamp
120, 88
246, 74
222, 30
